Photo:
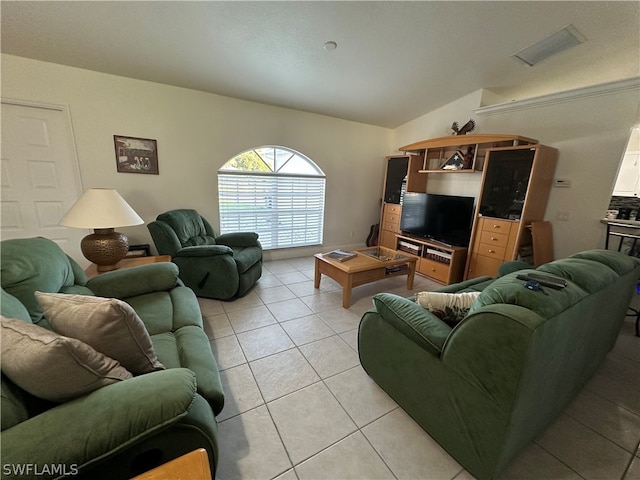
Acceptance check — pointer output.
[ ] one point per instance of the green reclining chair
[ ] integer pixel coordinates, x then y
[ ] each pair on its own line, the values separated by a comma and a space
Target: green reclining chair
221, 267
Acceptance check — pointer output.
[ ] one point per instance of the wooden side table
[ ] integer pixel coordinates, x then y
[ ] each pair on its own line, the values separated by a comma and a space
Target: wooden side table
92, 270
191, 466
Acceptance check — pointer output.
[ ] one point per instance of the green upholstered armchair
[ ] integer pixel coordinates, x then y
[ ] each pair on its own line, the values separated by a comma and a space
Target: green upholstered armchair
221, 267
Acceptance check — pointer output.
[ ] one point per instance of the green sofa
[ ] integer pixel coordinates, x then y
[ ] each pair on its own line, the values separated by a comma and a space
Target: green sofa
128, 427
213, 266
488, 386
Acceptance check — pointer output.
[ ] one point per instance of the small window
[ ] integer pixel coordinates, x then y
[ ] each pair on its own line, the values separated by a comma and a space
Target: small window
275, 192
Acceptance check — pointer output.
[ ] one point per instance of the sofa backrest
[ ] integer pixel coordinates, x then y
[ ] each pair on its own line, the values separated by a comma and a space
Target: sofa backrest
30, 264
189, 226
16, 405
531, 352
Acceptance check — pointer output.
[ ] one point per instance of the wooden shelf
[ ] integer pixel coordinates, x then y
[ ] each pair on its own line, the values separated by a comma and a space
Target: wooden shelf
438, 262
470, 139
465, 170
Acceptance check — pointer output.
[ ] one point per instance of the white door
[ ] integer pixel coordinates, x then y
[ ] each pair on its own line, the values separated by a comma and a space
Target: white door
39, 175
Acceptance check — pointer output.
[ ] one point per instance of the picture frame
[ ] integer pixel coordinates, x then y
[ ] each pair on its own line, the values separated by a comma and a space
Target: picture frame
136, 155
141, 250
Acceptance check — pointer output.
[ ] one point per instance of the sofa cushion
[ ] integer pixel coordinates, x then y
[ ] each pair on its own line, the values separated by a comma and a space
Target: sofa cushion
619, 264
11, 307
200, 240
589, 275
449, 307
186, 223
12, 408
109, 325
31, 264
52, 366
546, 302
246, 257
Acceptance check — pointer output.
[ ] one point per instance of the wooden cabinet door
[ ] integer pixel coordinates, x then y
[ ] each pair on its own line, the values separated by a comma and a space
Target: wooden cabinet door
481, 265
388, 239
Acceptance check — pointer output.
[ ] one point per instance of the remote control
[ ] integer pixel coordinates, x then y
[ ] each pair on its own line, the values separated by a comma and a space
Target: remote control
548, 278
551, 282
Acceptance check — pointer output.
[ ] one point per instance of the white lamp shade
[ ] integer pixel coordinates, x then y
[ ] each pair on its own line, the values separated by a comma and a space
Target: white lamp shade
101, 208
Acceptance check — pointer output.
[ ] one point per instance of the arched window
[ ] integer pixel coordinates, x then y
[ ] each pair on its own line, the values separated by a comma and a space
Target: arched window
276, 192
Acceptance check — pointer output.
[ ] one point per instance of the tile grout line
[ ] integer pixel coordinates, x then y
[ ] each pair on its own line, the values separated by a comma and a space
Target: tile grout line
535, 441
565, 412
358, 429
631, 460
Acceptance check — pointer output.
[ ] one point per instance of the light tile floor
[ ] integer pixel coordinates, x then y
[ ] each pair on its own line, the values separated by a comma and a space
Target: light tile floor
298, 405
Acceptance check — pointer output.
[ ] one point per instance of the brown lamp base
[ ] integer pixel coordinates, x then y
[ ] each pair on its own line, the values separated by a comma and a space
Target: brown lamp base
105, 248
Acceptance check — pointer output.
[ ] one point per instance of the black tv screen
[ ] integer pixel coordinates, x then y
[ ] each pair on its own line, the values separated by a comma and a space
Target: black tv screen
443, 218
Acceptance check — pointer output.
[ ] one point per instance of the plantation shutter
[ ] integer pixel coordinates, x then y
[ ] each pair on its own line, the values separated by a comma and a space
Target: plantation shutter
285, 210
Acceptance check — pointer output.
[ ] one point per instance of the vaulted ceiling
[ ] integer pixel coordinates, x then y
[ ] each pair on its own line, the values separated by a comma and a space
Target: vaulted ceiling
394, 61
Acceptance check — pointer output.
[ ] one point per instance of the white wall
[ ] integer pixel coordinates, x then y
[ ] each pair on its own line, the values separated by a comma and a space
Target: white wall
590, 134
197, 133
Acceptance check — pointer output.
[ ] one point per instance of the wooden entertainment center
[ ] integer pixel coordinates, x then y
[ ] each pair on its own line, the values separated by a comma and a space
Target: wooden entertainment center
522, 168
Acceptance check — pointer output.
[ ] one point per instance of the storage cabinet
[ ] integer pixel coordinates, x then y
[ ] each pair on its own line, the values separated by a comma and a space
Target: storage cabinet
390, 225
517, 174
489, 250
402, 175
442, 264
515, 187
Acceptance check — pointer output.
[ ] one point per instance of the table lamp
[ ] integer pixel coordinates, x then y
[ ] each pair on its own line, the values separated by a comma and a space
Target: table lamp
102, 209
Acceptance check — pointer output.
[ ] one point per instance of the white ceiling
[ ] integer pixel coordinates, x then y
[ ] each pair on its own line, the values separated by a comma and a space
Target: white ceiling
395, 61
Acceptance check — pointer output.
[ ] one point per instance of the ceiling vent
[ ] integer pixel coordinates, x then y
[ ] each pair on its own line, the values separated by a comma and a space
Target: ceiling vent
555, 43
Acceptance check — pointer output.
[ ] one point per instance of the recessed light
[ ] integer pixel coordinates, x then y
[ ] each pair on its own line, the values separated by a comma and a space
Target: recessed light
330, 46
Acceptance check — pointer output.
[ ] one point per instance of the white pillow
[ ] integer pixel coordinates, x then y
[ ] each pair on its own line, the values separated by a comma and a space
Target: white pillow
449, 307
52, 366
109, 325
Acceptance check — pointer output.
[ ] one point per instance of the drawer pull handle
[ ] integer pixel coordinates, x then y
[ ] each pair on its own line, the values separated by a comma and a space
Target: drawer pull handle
496, 226
494, 238
491, 251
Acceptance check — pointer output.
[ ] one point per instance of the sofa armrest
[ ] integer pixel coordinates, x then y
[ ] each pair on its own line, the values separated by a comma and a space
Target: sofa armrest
414, 321
131, 282
203, 251
105, 421
239, 239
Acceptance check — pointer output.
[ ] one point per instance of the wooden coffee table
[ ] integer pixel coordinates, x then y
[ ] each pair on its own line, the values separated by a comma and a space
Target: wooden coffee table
365, 268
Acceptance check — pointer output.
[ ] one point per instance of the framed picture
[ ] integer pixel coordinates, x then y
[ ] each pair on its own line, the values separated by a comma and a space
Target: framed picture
136, 155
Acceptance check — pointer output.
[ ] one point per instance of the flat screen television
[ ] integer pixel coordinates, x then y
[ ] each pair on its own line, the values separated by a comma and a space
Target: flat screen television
442, 218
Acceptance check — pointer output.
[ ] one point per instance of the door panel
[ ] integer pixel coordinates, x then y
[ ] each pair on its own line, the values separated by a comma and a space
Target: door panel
40, 179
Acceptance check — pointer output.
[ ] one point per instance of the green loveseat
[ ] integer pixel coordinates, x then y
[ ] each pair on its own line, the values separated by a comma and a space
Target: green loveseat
487, 387
127, 427
213, 266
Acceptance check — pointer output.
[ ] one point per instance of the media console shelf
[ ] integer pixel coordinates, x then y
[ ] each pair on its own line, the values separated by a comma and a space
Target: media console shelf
437, 151
438, 262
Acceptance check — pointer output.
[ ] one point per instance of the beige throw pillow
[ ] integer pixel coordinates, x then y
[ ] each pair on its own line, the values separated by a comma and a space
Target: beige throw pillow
450, 307
109, 325
52, 366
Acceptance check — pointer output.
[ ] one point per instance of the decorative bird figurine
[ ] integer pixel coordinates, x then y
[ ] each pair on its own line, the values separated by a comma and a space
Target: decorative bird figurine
466, 128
